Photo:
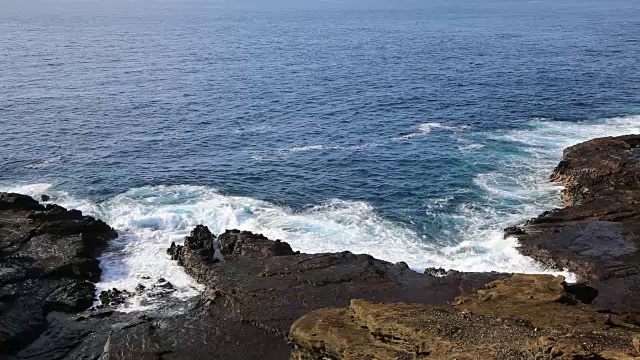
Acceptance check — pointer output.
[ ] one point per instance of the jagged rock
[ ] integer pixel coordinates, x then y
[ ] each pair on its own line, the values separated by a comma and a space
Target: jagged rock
513, 231
113, 297
163, 284
200, 238
522, 317
597, 235
255, 288
266, 284
47, 261
435, 271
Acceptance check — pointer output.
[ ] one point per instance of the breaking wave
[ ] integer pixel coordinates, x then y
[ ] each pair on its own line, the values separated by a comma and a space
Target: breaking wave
469, 239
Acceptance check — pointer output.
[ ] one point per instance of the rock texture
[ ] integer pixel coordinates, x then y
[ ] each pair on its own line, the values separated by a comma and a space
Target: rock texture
256, 288
265, 285
47, 265
522, 317
597, 234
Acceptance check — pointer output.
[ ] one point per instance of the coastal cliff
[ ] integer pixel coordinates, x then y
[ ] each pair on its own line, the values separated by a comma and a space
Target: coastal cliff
262, 300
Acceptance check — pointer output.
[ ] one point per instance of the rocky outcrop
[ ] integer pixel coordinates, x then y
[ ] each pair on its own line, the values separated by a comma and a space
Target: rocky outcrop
597, 234
266, 285
255, 289
522, 317
47, 265
262, 300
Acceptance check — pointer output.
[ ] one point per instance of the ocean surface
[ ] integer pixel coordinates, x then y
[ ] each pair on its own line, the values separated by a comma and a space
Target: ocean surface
410, 130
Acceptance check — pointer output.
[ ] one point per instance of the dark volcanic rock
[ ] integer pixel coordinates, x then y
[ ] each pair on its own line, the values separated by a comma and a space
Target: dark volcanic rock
113, 297
264, 285
597, 235
47, 262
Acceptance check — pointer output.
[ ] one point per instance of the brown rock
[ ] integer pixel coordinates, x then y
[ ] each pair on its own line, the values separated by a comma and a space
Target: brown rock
522, 317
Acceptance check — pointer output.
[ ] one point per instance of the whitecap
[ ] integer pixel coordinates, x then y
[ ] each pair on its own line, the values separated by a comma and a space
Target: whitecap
306, 148
149, 218
427, 128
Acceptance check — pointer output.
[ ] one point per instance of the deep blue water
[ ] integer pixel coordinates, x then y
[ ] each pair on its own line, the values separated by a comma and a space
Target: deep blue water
424, 125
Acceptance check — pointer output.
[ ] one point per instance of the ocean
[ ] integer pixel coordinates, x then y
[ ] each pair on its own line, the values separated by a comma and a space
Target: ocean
409, 130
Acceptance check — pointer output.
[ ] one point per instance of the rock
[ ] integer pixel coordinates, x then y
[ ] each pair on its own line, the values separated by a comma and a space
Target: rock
47, 263
200, 238
265, 284
45, 198
435, 271
514, 318
113, 297
597, 235
513, 231
255, 288
163, 284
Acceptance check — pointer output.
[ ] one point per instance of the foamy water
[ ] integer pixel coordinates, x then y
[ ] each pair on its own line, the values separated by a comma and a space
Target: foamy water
150, 218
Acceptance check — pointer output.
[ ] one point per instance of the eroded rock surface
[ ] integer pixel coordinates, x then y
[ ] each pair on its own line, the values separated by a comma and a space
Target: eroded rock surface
47, 265
522, 317
266, 285
597, 234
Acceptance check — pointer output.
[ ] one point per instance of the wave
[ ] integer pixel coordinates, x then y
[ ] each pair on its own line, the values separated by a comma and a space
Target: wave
150, 218
518, 187
427, 128
421, 129
470, 232
306, 148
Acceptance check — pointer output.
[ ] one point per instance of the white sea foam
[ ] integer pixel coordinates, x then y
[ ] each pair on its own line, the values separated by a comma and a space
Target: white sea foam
423, 129
306, 148
426, 128
149, 218
520, 189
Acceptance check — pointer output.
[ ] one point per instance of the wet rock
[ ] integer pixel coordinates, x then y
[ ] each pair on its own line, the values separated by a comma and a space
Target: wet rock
597, 235
265, 284
438, 272
513, 231
200, 238
45, 198
47, 263
163, 284
113, 297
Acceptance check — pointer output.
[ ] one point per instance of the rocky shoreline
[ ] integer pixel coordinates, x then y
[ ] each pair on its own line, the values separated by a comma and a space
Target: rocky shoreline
262, 300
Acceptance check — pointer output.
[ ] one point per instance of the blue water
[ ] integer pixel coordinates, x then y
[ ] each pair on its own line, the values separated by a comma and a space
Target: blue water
412, 130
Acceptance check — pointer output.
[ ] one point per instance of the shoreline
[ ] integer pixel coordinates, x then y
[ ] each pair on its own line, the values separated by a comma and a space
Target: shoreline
252, 298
